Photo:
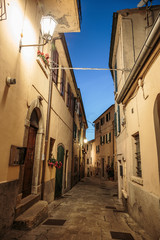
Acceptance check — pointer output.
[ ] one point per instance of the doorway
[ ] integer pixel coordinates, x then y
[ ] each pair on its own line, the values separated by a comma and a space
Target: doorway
59, 172
29, 160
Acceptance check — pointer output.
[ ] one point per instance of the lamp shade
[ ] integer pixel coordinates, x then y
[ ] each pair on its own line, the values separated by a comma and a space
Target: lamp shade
48, 25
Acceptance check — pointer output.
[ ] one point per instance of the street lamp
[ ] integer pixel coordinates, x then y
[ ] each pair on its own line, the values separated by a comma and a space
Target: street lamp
48, 25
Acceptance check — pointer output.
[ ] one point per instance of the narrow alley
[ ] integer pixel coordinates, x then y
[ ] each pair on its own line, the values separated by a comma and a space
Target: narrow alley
90, 210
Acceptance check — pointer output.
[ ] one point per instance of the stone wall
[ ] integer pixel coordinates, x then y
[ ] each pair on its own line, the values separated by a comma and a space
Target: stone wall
8, 194
145, 209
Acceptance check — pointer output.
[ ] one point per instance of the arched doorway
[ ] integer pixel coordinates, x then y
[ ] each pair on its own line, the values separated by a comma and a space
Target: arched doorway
29, 160
59, 171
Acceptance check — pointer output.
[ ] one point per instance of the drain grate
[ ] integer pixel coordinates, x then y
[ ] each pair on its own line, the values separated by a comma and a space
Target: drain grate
57, 222
110, 207
121, 235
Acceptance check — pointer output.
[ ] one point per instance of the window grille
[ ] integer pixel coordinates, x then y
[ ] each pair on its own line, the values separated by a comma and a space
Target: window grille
138, 156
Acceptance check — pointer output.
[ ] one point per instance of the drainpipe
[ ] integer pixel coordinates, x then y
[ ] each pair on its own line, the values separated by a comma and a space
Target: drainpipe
47, 128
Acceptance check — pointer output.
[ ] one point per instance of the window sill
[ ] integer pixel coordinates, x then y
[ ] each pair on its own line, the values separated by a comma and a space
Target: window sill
137, 180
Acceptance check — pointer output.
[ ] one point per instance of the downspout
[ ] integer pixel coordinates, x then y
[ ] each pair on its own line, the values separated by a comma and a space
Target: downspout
47, 128
147, 48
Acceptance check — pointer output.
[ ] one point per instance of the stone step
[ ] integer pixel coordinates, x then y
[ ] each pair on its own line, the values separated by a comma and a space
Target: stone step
26, 203
32, 217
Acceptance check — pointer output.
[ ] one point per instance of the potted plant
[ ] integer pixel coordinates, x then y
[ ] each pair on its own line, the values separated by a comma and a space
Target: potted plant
54, 163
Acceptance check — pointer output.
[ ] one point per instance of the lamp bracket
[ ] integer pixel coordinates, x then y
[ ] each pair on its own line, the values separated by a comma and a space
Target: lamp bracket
31, 45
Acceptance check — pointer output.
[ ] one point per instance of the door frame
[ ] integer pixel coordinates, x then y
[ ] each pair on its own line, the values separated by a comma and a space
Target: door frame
36, 187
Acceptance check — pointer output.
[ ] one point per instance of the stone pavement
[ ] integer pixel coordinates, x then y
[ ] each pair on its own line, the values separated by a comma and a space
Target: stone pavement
91, 210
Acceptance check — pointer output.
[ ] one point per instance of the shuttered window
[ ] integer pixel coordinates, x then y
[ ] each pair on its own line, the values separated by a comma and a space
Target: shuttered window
118, 118
115, 124
55, 64
63, 81
115, 78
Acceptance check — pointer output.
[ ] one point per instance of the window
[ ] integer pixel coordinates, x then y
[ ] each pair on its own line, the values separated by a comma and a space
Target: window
63, 81
102, 121
108, 137
87, 160
97, 126
115, 124
79, 135
102, 140
108, 117
97, 149
74, 131
137, 156
118, 118
55, 64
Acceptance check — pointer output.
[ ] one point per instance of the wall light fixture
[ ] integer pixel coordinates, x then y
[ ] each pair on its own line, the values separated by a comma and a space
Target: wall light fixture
48, 25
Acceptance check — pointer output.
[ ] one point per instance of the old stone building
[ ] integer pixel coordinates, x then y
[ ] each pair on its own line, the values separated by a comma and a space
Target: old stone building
105, 163
37, 105
134, 52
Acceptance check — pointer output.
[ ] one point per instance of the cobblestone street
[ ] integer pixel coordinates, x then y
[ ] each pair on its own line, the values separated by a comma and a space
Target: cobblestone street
92, 212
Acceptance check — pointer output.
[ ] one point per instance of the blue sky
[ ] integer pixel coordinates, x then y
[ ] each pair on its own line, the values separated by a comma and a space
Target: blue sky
90, 48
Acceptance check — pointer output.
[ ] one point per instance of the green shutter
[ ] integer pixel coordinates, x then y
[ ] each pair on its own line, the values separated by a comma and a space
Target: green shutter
115, 124
119, 122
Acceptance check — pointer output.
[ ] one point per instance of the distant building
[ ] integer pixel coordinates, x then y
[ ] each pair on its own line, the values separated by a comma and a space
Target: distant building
135, 49
79, 134
105, 162
90, 159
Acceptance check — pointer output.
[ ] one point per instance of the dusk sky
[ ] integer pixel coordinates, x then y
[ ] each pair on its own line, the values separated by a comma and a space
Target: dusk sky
90, 48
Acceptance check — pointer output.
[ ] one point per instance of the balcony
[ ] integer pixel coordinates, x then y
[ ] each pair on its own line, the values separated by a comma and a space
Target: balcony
67, 14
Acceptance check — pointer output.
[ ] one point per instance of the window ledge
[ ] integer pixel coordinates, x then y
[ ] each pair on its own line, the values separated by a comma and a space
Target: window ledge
137, 180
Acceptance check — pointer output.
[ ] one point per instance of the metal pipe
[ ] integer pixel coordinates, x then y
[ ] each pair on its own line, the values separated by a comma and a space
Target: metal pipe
47, 129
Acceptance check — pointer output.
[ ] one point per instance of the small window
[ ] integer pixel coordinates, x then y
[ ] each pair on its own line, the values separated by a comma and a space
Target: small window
102, 121
108, 117
137, 156
97, 149
97, 126
87, 160
55, 64
63, 81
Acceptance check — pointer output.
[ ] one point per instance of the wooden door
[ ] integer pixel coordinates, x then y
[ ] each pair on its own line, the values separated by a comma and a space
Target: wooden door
59, 172
29, 160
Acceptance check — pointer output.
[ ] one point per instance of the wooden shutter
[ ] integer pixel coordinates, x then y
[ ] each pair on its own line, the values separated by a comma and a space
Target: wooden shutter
119, 122
63, 81
115, 78
55, 64
115, 124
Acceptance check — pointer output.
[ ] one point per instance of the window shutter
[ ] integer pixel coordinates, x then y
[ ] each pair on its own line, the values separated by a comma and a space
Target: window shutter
55, 64
115, 76
110, 137
119, 122
101, 140
115, 124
